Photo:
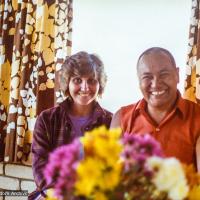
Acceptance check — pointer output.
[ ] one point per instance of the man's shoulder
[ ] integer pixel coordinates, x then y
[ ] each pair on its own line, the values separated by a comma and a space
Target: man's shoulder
130, 106
190, 104
129, 110
189, 107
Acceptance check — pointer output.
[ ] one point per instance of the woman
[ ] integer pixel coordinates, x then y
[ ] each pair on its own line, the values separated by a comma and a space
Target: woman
82, 80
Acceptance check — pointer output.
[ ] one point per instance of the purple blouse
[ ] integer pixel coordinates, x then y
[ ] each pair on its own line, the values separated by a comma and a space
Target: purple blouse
54, 128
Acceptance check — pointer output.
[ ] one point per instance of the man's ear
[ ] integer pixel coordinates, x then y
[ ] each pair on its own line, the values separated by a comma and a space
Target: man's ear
177, 72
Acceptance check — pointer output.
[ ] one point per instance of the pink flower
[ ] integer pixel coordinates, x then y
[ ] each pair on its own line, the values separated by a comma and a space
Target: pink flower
61, 167
137, 148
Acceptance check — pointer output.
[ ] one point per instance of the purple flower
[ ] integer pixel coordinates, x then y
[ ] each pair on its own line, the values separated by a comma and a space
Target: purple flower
137, 148
61, 167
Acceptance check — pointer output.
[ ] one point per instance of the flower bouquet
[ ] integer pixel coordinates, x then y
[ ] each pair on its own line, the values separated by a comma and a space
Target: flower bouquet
103, 165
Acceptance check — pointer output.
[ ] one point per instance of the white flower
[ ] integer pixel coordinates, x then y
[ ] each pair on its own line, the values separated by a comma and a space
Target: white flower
179, 192
169, 177
154, 163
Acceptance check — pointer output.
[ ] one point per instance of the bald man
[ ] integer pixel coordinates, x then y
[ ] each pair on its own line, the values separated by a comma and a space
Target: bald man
163, 113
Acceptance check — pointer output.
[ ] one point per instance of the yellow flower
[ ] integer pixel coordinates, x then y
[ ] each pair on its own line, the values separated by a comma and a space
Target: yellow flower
193, 178
88, 173
102, 150
103, 143
107, 148
113, 175
99, 196
194, 193
50, 195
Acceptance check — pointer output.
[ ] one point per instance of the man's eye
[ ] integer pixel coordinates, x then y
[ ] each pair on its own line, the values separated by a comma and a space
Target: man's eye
164, 75
146, 77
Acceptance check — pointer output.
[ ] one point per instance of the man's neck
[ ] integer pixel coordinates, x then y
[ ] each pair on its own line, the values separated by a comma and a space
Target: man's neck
159, 113
156, 114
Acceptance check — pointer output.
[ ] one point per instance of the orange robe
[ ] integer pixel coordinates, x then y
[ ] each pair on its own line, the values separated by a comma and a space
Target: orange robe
177, 132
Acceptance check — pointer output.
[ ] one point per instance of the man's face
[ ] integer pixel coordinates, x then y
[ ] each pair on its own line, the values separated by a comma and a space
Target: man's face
158, 79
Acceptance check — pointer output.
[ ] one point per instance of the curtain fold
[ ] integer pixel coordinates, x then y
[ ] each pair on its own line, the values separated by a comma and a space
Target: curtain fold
192, 81
35, 38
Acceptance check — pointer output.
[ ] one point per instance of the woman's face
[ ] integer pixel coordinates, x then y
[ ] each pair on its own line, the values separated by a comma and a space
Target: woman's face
83, 89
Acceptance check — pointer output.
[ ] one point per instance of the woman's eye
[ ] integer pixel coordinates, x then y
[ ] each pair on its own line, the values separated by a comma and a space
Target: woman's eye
92, 81
77, 80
